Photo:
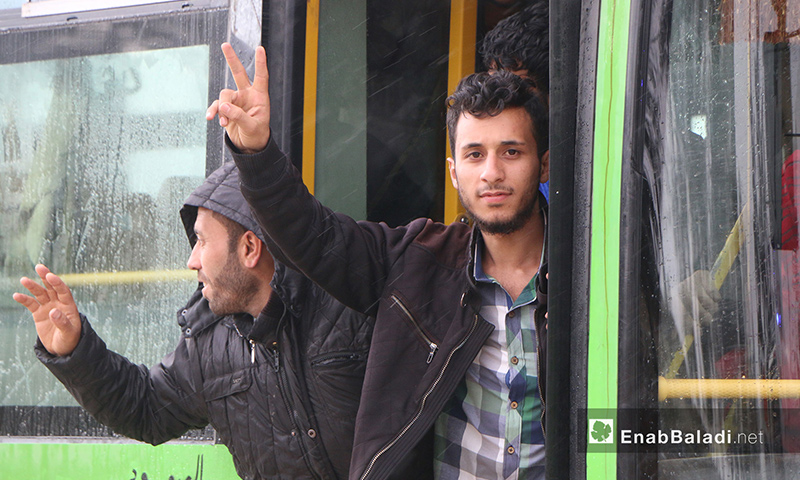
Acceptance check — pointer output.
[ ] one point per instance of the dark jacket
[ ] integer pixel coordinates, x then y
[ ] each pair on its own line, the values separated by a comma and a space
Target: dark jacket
286, 412
416, 280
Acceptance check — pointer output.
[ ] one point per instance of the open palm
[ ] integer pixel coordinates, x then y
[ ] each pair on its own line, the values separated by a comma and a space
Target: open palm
54, 311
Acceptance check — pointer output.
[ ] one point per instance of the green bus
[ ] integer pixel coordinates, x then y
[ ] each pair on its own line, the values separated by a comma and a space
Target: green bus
674, 346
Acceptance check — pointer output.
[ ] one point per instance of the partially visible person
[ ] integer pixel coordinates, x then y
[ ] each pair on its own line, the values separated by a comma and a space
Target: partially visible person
266, 357
459, 342
520, 44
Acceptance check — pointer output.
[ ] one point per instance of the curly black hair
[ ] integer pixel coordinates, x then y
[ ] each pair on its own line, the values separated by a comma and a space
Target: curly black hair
521, 42
483, 94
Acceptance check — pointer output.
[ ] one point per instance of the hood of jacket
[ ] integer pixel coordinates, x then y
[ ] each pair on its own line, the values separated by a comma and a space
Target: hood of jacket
219, 193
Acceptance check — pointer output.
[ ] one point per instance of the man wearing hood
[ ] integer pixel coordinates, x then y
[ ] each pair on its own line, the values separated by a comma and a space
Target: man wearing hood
266, 357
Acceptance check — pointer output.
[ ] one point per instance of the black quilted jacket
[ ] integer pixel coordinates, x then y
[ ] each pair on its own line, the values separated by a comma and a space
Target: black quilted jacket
416, 280
281, 390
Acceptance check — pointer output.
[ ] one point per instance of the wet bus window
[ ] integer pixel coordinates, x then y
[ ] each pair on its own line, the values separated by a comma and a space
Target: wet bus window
722, 279
381, 85
11, 4
103, 139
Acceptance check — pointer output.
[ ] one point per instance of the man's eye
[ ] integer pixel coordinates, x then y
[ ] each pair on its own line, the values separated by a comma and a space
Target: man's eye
512, 152
474, 155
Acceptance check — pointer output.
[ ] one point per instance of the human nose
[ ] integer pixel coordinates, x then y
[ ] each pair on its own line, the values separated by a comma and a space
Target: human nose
194, 258
492, 169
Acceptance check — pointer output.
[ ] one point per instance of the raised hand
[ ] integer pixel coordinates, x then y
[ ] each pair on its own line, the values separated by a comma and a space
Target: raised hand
244, 113
55, 313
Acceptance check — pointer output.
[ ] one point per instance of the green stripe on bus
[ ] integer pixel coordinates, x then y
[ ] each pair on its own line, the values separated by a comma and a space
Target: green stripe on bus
105, 461
605, 244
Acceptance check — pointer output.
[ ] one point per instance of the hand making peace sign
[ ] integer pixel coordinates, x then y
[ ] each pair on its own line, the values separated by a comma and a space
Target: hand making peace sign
244, 112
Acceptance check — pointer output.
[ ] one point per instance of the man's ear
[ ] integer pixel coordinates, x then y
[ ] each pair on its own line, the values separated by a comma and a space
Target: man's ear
250, 249
451, 165
544, 167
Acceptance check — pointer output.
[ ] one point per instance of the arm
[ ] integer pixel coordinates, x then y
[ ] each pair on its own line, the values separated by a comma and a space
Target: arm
149, 405
351, 260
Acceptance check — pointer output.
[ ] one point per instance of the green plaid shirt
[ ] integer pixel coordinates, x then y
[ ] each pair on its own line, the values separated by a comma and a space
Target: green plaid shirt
492, 428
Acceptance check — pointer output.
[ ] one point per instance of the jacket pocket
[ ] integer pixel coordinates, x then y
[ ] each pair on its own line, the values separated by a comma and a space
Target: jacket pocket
335, 390
226, 385
405, 313
338, 378
227, 400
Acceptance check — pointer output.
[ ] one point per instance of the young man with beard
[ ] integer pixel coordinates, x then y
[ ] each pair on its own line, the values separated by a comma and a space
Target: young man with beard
460, 312
520, 44
266, 357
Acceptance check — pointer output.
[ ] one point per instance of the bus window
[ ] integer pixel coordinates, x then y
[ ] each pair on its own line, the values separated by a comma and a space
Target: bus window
380, 84
720, 152
104, 136
4, 4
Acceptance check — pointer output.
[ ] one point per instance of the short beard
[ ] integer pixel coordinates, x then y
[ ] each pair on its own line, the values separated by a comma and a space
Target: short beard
235, 288
504, 227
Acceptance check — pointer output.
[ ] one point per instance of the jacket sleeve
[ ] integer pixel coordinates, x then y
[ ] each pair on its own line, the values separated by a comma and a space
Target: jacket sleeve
350, 260
150, 405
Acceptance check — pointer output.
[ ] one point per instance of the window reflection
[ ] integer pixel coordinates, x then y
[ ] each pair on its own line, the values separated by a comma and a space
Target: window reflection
4, 4
98, 155
720, 163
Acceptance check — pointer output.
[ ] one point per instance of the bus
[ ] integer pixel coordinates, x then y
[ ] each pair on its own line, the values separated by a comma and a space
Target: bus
674, 279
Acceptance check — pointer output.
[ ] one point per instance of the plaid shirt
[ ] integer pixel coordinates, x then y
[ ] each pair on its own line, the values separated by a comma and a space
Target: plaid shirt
492, 426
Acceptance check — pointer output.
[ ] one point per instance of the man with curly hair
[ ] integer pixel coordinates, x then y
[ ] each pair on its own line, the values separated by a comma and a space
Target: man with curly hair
457, 352
520, 44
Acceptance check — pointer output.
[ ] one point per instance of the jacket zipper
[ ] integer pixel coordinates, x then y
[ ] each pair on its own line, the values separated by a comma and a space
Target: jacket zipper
281, 382
331, 357
424, 399
250, 341
431, 344
292, 413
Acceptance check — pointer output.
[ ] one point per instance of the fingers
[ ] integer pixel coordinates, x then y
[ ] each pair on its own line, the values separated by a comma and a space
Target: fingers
61, 321
61, 288
261, 78
32, 286
237, 69
212, 110
26, 301
68, 336
227, 99
38, 291
43, 271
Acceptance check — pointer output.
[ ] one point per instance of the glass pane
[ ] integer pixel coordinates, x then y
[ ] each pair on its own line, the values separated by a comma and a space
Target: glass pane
4, 4
93, 175
719, 152
382, 82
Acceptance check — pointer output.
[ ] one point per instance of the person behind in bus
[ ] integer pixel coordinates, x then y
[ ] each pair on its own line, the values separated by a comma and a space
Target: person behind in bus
266, 357
520, 43
459, 337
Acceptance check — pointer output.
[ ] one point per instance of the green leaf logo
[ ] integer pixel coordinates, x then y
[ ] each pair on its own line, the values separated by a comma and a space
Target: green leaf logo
601, 431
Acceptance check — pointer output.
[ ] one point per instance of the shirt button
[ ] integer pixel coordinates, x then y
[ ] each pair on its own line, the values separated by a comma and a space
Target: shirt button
511, 314
510, 450
514, 405
312, 433
514, 360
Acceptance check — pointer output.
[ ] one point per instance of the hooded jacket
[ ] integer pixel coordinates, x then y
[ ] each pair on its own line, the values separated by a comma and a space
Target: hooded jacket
416, 280
281, 390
